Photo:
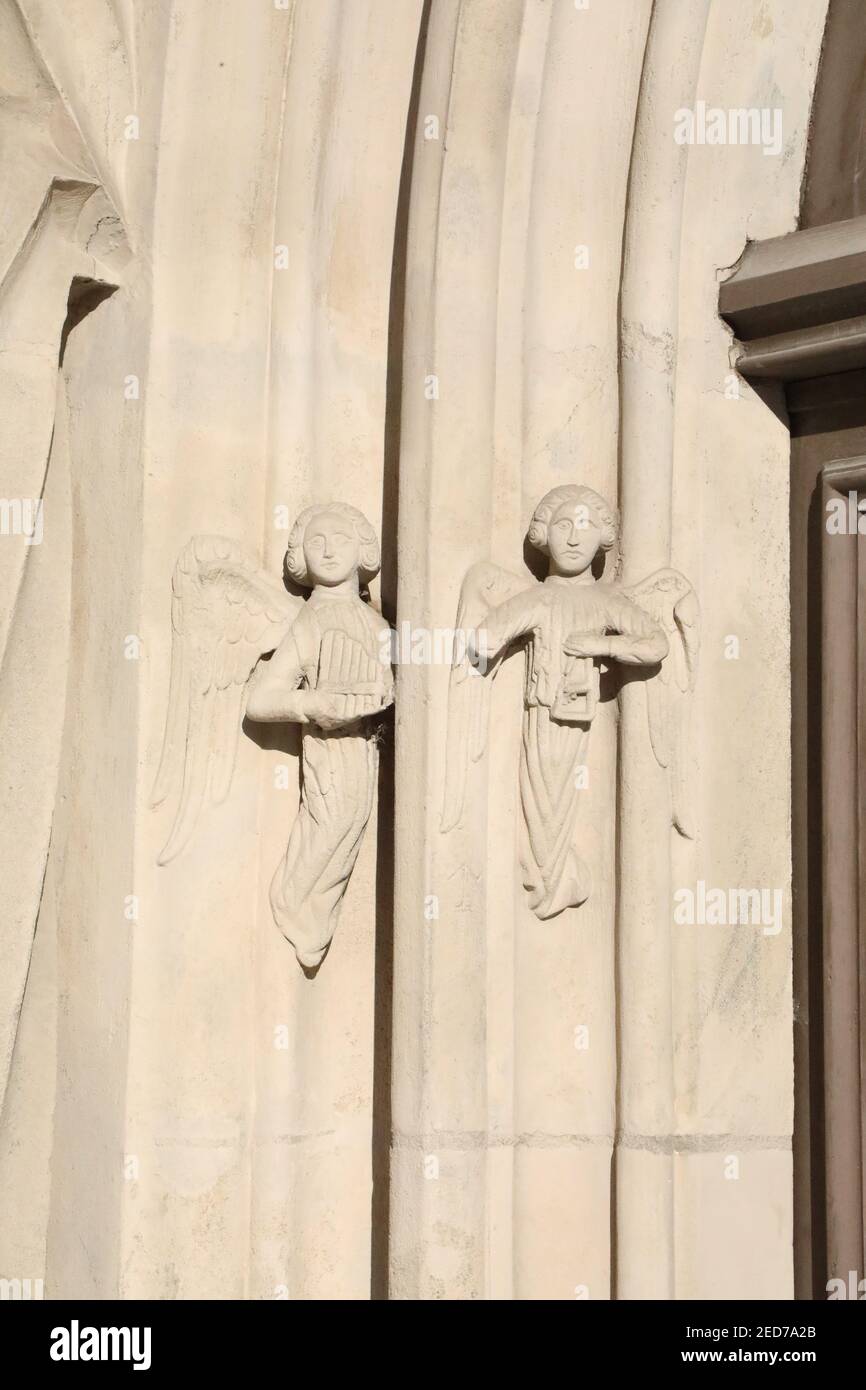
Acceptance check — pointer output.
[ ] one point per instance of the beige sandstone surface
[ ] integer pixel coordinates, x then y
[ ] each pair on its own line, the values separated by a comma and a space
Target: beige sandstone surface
255, 256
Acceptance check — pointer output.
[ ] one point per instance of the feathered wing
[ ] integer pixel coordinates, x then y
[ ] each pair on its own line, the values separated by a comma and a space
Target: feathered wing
669, 598
225, 614
485, 586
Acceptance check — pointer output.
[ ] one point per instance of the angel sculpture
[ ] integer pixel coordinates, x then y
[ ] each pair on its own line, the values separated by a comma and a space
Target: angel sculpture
568, 624
330, 672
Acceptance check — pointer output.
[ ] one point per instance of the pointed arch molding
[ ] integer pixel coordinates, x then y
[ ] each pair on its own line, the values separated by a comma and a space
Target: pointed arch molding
63, 247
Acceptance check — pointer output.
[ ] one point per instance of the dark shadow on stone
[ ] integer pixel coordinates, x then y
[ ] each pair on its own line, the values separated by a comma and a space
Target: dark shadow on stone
84, 296
773, 396
283, 737
814, 918
383, 1016
534, 561
618, 676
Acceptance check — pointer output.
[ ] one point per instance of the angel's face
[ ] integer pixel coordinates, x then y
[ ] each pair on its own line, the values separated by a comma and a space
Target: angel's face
331, 549
573, 539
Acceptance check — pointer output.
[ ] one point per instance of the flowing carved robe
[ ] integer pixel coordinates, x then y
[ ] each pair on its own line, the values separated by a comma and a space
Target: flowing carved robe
553, 750
339, 646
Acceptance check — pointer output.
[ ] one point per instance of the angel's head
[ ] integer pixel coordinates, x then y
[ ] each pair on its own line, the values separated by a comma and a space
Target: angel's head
570, 525
332, 544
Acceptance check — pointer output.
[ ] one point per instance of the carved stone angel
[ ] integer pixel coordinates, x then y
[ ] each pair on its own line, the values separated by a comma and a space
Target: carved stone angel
329, 673
569, 625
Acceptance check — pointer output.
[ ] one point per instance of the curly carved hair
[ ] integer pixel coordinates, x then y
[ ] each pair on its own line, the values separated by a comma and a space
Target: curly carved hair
368, 556
573, 495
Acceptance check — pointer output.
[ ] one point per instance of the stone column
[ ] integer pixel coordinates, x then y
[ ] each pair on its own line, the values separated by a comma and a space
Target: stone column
341, 146
649, 342
439, 1165
503, 1127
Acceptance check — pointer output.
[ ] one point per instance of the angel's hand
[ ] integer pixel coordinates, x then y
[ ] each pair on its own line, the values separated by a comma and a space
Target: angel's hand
476, 647
380, 702
589, 644
323, 709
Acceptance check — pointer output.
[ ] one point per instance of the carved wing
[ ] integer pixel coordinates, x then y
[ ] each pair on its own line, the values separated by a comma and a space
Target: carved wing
669, 598
485, 586
225, 614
